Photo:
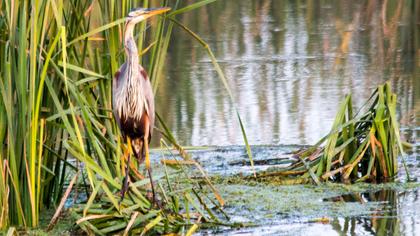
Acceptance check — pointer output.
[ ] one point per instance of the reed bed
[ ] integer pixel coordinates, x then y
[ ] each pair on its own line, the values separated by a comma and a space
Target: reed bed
57, 63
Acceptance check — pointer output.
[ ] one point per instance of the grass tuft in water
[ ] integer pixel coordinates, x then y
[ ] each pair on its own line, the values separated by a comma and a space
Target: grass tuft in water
360, 147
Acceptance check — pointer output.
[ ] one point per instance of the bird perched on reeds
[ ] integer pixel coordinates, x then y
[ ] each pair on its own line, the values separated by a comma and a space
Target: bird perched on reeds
132, 98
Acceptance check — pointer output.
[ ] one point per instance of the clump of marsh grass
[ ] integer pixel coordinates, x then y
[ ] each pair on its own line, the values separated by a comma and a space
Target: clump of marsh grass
56, 70
360, 147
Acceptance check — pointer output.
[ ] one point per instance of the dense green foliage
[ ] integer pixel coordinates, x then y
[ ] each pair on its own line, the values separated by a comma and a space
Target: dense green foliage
58, 59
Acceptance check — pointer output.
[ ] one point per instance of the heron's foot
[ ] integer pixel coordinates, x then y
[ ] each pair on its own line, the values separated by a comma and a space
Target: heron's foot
154, 201
124, 188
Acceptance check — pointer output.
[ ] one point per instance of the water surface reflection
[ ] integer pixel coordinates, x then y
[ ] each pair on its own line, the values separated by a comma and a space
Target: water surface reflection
289, 63
395, 214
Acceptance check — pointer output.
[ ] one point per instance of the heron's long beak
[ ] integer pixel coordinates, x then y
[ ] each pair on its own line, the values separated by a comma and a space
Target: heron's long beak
145, 13
139, 14
156, 11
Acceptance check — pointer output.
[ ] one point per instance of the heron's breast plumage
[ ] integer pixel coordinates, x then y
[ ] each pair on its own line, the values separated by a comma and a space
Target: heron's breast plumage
132, 99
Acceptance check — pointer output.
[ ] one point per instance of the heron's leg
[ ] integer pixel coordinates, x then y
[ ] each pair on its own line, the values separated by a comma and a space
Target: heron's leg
124, 187
149, 170
147, 161
137, 146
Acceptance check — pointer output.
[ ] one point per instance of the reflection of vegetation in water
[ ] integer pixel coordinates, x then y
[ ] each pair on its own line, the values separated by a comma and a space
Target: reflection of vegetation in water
280, 56
383, 221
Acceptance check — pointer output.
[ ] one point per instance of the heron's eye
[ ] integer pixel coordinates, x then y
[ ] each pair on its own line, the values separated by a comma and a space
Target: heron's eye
135, 13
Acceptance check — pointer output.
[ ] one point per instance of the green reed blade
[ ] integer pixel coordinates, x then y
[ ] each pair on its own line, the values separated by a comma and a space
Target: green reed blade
224, 82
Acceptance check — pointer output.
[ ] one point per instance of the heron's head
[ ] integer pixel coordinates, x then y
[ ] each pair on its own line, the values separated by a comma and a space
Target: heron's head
137, 15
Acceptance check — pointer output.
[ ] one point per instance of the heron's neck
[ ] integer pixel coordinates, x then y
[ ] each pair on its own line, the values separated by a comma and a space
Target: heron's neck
130, 46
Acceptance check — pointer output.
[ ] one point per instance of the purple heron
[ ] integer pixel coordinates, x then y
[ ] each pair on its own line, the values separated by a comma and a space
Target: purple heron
132, 98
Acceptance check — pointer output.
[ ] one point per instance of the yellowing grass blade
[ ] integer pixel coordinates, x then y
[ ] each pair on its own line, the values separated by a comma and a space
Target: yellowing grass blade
151, 224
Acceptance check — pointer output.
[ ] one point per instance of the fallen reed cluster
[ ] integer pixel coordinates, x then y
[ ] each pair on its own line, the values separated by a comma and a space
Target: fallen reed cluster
361, 146
181, 206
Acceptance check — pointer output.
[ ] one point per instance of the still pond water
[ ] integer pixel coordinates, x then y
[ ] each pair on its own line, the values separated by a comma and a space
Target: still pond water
289, 64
